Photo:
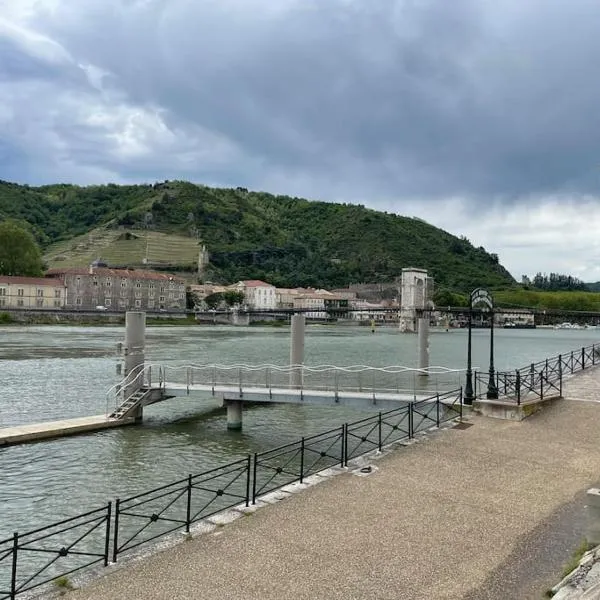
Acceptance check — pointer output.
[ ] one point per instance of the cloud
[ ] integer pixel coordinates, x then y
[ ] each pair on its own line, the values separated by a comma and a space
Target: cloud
480, 114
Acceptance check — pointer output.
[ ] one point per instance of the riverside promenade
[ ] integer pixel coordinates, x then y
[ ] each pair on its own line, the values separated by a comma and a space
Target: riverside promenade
490, 511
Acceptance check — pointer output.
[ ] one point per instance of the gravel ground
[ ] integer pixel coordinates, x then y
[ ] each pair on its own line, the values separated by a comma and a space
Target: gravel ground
490, 511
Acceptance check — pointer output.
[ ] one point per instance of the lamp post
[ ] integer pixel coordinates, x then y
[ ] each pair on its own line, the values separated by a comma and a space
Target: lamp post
492, 389
468, 398
480, 296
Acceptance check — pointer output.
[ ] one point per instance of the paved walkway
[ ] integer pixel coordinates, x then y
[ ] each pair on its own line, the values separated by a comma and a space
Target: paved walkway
435, 521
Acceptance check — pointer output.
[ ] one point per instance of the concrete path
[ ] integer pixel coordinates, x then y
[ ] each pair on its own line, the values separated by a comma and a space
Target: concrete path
440, 519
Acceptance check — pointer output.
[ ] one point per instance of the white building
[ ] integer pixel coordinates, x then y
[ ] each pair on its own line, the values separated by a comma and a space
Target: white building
257, 294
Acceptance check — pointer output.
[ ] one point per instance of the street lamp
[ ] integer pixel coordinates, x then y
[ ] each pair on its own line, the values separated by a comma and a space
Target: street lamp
480, 296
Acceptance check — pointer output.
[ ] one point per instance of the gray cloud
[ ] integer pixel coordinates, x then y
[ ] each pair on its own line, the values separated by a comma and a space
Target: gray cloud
393, 103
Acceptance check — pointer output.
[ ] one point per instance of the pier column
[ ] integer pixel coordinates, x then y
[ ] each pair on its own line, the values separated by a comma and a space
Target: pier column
135, 335
234, 414
423, 343
297, 349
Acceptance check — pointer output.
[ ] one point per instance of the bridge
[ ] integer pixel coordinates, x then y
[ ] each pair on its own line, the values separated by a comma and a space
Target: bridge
356, 386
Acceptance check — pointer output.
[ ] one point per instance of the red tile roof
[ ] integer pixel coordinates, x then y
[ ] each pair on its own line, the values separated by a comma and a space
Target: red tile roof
125, 273
15, 280
255, 283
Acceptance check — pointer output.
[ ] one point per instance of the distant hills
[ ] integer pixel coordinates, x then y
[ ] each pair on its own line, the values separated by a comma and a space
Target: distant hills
286, 241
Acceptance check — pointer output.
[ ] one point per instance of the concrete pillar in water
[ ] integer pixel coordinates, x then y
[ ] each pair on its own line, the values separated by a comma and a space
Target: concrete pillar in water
297, 349
135, 334
423, 343
234, 414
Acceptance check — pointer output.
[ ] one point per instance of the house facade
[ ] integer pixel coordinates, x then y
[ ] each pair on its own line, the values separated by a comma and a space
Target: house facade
257, 294
31, 292
120, 289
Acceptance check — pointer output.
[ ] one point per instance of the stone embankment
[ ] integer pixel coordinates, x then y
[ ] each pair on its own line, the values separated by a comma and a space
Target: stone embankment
584, 582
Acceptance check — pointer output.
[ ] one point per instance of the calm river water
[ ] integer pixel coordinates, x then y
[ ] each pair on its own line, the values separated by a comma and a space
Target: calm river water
55, 372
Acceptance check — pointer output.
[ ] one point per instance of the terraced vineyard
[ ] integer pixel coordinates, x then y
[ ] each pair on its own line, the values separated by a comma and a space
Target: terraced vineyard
124, 248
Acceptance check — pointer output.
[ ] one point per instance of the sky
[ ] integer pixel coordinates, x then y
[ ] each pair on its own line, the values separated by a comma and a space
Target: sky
480, 116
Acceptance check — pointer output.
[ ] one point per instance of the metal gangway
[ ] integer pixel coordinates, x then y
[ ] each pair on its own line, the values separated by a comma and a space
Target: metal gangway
357, 386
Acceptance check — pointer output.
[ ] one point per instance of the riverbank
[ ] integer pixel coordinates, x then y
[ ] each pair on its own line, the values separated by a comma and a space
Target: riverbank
461, 514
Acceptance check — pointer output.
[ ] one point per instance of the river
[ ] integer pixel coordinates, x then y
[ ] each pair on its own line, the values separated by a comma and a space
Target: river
54, 372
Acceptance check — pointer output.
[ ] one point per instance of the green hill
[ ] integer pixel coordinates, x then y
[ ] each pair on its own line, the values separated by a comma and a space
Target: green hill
287, 241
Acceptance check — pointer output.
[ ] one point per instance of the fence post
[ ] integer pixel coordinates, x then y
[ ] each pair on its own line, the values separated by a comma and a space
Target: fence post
254, 479
560, 374
302, 460
188, 508
13, 575
532, 375
571, 361
346, 445
461, 402
410, 421
116, 536
518, 387
542, 384
437, 408
343, 449
594, 354
582, 358
379, 432
248, 469
107, 536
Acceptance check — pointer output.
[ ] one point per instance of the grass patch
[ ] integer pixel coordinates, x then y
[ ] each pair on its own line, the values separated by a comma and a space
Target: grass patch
63, 583
5, 318
577, 555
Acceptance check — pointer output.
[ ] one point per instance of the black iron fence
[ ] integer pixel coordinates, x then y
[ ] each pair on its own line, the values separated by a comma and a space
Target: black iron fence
51, 553
539, 380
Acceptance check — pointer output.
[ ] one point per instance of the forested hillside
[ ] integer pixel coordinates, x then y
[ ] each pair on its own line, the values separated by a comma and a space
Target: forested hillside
287, 241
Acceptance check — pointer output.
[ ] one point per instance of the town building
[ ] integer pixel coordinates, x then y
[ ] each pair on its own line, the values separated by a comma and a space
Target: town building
120, 289
321, 304
257, 294
31, 292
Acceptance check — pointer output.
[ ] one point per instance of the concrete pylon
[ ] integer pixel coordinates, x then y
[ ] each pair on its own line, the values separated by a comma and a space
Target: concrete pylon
135, 338
423, 343
297, 349
234, 414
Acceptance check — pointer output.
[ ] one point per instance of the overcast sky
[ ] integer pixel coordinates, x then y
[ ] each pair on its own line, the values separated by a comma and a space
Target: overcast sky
479, 116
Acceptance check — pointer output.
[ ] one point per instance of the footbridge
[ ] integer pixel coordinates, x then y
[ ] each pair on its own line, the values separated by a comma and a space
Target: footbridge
356, 386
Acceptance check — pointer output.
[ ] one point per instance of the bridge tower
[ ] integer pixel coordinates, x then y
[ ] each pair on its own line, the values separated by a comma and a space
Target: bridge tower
415, 293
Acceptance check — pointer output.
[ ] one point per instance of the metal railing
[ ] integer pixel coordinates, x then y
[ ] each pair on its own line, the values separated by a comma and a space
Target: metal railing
104, 534
330, 378
539, 380
48, 553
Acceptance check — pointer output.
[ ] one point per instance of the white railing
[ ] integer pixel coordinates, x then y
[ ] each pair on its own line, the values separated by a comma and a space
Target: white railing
353, 378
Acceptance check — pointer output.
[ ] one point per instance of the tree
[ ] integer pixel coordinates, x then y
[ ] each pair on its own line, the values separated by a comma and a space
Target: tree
19, 253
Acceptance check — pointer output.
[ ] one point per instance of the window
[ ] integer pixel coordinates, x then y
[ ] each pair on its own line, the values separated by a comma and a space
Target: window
138, 294
57, 303
40, 293
151, 294
57, 293
77, 281
20, 292
108, 282
138, 303
171, 295
78, 301
122, 303
150, 303
161, 299
151, 285
138, 284
2, 301
123, 282
123, 293
3, 292
95, 281
107, 301
162, 289
20, 302
39, 302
